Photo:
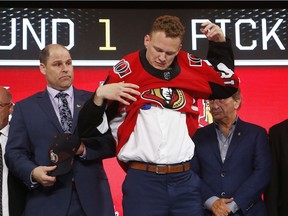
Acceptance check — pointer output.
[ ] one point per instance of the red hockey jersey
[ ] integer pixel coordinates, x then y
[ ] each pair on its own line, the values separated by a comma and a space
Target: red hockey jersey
177, 88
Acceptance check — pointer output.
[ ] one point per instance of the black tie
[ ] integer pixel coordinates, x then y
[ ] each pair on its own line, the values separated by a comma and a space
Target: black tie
65, 113
1, 176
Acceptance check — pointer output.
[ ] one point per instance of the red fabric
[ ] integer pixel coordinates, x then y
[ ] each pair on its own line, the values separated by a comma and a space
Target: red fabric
193, 80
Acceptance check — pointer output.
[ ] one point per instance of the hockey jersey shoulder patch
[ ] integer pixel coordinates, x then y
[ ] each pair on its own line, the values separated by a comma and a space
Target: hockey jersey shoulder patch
122, 68
194, 61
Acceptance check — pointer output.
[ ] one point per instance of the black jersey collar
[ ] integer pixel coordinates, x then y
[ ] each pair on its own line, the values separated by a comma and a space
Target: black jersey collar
167, 74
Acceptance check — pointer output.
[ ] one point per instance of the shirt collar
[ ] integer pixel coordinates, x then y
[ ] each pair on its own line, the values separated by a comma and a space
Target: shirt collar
53, 92
5, 130
233, 125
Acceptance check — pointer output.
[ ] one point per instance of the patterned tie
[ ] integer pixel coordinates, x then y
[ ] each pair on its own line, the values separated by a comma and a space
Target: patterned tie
65, 113
1, 177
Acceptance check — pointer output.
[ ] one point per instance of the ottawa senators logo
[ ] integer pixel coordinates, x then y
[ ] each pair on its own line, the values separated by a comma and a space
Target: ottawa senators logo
194, 61
169, 98
122, 68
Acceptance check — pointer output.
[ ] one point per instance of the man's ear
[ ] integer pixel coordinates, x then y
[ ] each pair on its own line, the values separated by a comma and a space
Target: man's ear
180, 47
42, 68
146, 40
237, 104
11, 109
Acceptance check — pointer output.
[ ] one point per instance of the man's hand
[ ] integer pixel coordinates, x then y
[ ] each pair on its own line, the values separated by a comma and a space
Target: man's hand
219, 207
213, 32
81, 149
40, 174
122, 92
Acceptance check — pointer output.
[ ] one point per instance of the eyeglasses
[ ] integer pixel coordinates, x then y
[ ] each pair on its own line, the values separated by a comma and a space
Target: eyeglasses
5, 104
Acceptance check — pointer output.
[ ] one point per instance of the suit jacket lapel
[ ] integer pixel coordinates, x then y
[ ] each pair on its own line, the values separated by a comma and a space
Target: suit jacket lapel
236, 139
214, 142
46, 105
79, 101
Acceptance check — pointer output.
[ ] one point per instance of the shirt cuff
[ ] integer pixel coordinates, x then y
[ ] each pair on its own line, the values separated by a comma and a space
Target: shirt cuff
233, 206
208, 203
33, 183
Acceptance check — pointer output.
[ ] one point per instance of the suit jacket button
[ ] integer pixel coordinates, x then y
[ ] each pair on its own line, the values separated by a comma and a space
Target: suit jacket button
222, 174
223, 194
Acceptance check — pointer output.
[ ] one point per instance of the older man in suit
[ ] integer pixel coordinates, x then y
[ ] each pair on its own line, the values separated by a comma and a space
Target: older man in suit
276, 195
13, 191
84, 189
232, 158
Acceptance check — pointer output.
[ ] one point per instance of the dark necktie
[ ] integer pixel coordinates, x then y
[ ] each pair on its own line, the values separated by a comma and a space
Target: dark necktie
65, 113
1, 177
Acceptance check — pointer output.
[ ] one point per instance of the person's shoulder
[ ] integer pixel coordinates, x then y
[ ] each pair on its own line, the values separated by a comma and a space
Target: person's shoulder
83, 92
205, 129
250, 126
133, 55
189, 58
203, 134
30, 98
183, 53
279, 126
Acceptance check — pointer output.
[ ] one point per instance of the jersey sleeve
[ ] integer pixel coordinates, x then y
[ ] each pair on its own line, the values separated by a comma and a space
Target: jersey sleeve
221, 57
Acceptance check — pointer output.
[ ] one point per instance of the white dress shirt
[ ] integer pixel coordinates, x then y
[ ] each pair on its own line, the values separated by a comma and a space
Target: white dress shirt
160, 136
